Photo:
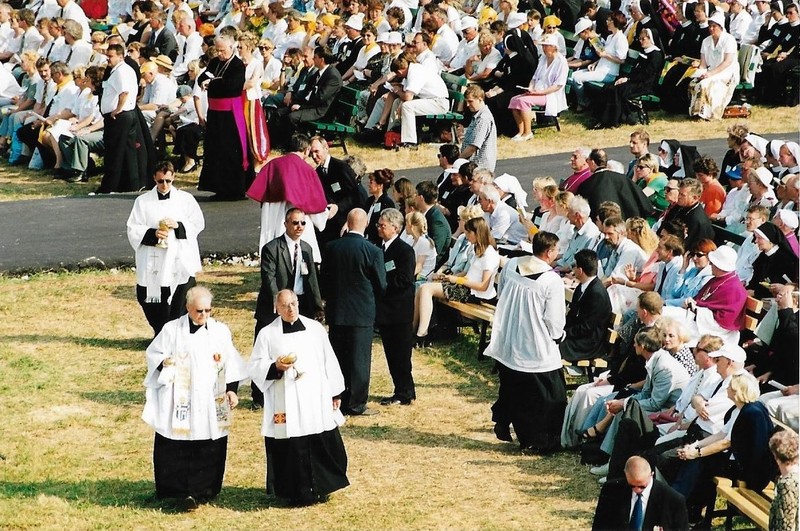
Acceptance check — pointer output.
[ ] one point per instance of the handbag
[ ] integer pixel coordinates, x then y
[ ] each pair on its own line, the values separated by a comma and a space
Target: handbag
736, 111
391, 139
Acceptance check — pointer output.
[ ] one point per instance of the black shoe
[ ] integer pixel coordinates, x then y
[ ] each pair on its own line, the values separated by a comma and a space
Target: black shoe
503, 432
366, 413
188, 504
77, 177
394, 401
408, 145
421, 341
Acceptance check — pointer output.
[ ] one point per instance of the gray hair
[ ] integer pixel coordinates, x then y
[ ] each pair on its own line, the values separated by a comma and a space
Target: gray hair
394, 217
198, 292
583, 151
615, 166
227, 40
73, 29
483, 175
579, 205
490, 193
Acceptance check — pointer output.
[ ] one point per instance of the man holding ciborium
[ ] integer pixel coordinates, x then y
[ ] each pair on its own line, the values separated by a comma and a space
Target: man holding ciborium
162, 229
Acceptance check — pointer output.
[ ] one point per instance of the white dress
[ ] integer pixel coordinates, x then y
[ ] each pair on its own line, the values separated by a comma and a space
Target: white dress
711, 95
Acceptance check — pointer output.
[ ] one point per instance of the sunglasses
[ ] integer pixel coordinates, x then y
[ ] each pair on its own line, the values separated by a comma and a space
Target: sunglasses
697, 255
296, 223
165, 181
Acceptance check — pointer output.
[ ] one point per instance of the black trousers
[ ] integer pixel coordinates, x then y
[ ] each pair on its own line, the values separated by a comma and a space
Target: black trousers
160, 313
353, 348
398, 343
187, 139
120, 159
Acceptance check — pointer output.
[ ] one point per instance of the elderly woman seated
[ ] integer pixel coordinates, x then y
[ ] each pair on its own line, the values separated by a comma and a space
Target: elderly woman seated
784, 509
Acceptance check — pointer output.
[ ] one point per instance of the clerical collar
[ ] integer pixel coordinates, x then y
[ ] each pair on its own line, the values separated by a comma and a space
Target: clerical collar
161, 196
296, 326
195, 327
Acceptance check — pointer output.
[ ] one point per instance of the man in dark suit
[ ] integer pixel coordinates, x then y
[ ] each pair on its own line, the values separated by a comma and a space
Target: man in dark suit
606, 185
690, 211
438, 227
341, 188
639, 501
395, 310
162, 41
287, 262
314, 103
589, 313
353, 276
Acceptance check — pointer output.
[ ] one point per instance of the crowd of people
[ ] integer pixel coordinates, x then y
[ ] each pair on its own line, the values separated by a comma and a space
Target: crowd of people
229, 73
689, 387
363, 250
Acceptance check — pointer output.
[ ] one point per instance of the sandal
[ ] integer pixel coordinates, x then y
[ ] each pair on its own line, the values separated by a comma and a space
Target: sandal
591, 434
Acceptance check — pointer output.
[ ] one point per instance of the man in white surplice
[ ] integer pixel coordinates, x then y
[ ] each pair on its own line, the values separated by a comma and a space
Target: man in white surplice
193, 373
162, 229
295, 367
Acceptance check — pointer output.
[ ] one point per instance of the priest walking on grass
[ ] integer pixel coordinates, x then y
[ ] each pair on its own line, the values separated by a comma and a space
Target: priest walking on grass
295, 367
193, 373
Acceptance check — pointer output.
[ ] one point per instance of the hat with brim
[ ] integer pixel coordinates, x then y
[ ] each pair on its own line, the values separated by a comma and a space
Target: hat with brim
582, 24
731, 351
355, 22
735, 173
469, 22
723, 258
516, 20
394, 37
455, 167
551, 20
163, 61
549, 40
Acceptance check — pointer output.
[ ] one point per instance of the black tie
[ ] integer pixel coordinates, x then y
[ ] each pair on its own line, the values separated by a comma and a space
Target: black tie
663, 278
69, 56
152, 42
578, 293
185, 44
49, 50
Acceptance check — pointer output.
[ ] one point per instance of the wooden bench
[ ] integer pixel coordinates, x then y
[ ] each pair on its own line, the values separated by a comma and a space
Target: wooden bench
340, 121
754, 309
749, 503
482, 313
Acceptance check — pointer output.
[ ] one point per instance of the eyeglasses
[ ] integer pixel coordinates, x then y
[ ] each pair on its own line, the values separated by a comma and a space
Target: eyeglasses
202, 310
296, 223
165, 181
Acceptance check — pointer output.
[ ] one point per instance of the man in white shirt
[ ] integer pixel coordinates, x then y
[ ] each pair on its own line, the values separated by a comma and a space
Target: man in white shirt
445, 40
625, 252
755, 217
159, 90
119, 133
6, 33
502, 219
586, 233
467, 48
79, 51
31, 39
423, 92
190, 44
70, 10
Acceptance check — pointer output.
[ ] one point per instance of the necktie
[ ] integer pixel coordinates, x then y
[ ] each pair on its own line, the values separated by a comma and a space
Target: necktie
61, 13
612, 262
185, 44
663, 278
578, 293
637, 517
49, 50
69, 55
298, 260
152, 42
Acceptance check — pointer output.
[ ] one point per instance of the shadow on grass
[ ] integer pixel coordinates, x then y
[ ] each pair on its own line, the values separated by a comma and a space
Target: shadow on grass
419, 438
136, 494
116, 398
133, 343
460, 357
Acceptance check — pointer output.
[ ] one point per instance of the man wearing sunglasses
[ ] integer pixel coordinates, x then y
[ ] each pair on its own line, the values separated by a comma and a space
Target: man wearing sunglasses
162, 229
287, 262
639, 501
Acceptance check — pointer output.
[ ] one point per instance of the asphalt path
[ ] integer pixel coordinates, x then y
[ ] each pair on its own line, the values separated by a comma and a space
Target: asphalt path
74, 232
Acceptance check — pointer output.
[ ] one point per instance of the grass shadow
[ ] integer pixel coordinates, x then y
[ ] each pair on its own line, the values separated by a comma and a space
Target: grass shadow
138, 494
116, 398
459, 357
419, 438
133, 343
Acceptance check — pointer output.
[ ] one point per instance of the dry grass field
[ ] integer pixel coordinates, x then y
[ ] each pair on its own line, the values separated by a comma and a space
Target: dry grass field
76, 455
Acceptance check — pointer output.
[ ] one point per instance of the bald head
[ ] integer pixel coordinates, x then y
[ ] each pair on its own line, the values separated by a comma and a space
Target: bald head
357, 220
638, 473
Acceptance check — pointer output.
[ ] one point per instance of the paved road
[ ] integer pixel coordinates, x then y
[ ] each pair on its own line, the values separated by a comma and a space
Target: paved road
73, 231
